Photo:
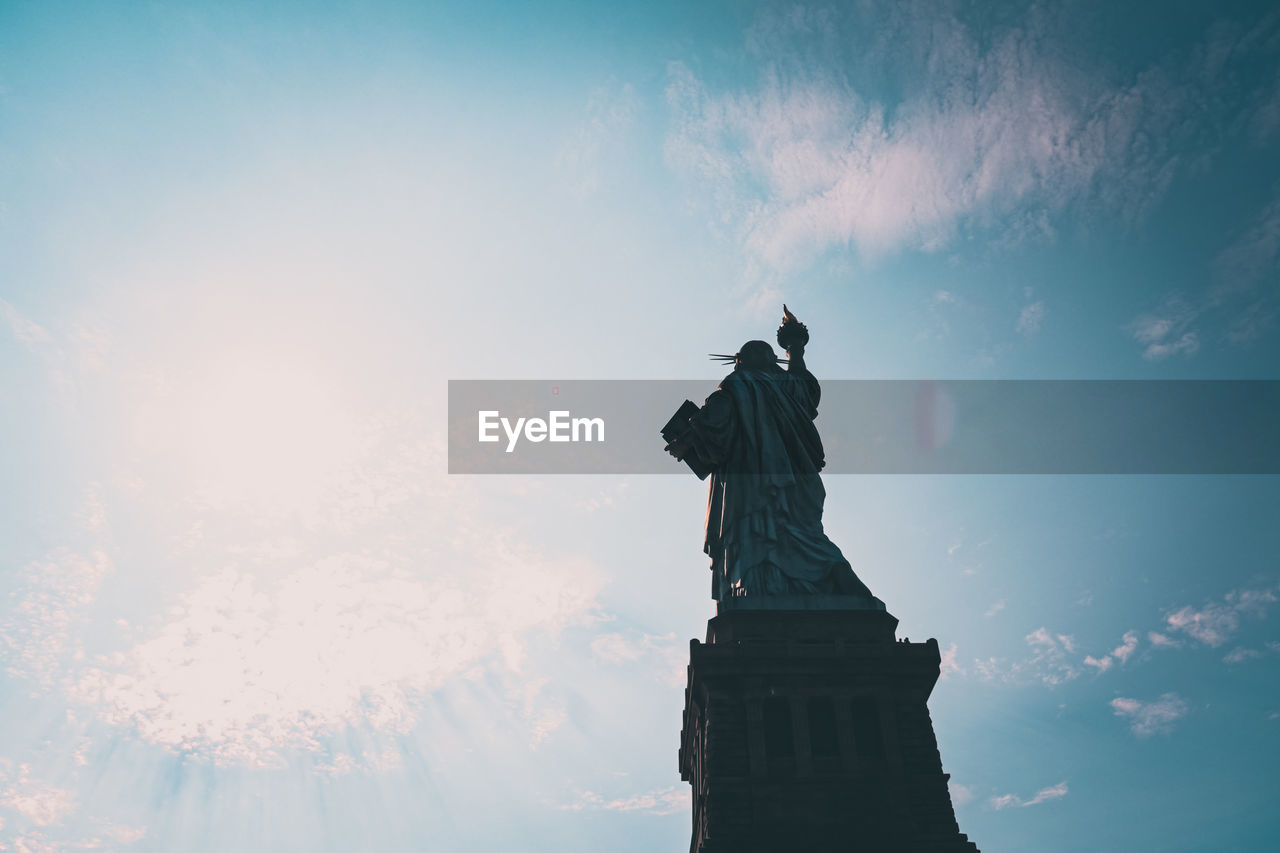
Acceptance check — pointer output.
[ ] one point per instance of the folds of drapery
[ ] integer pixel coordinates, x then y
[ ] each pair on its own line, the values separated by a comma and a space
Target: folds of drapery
764, 529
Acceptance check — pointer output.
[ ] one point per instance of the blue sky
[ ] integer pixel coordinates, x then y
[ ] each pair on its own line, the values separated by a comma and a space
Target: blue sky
242, 250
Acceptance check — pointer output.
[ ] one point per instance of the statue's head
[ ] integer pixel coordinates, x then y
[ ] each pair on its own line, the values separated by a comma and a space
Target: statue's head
757, 355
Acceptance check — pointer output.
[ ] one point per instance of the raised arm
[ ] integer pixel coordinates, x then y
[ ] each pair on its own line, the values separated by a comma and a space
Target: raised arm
792, 337
795, 359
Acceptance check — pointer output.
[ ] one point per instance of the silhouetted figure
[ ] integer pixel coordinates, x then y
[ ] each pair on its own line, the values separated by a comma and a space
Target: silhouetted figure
756, 436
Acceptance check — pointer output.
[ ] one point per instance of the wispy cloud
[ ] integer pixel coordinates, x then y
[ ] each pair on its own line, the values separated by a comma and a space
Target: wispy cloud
39, 817
1101, 664
241, 670
1053, 792
542, 714
1242, 271
364, 761
663, 801
1149, 718
1120, 654
949, 665
664, 653
1044, 795
67, 354
1128, 643
991, 127
39, 803
1049, 664
282, 644
1240, 655
1214, 623
40, 633
1237, 307
25, 330
1167, 330
1030, 318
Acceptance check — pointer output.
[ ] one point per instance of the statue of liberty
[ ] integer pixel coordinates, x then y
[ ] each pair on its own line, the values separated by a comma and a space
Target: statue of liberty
756, 438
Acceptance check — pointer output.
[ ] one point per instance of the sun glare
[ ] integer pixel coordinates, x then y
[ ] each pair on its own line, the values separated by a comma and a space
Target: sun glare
264, 433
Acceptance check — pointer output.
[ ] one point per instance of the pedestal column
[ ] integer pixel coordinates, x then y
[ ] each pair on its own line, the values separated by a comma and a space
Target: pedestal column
808, 729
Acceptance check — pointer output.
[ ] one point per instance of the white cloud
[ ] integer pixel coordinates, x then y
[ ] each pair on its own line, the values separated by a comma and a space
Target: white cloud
1252, 256
664, 653
542, 714
40, 632
1048, 664
1188, 344
1214, 623
1148, 718
614, 648
42, 804
1242, 270
1101, 664
1044, 795
1030, 319
961, 795
949, 665
242, 670
370, 761
67, 355
25, 330
1128, 643
663, 801
293, 630
39, 636
32, 807
997, 123
995, 608
1152, 328
127, 834
1238, 300
1167, 330
991, 669
1252, 601
1240, 655
1004, 801
1120, 654
1040, 637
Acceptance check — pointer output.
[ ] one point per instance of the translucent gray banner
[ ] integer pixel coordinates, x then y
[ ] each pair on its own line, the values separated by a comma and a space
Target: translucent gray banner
887, 427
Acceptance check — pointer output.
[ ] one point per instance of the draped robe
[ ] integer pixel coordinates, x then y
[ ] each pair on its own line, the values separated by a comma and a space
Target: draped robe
764, 529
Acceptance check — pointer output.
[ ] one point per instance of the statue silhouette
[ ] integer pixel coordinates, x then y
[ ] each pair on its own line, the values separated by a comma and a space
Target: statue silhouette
756, 437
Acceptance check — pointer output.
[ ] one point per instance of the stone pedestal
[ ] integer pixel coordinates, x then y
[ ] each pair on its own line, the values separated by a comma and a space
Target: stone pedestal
808, 729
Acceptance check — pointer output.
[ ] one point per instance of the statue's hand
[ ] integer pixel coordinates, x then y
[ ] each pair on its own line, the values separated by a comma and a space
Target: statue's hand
679, 448
792, 334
